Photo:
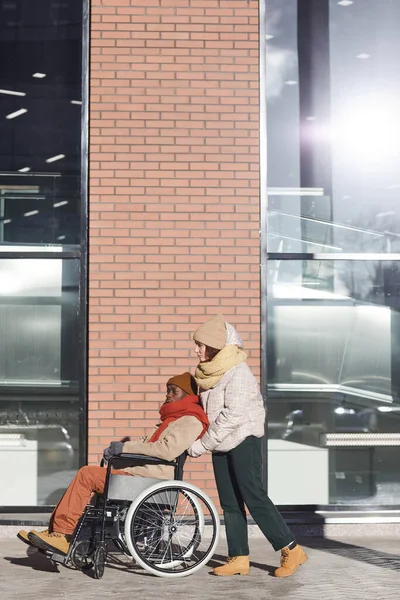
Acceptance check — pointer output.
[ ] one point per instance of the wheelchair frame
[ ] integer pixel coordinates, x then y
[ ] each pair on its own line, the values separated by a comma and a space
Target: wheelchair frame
101, 522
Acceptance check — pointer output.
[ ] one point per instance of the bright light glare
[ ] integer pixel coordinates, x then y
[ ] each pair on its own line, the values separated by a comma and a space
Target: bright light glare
365, 129
369, 129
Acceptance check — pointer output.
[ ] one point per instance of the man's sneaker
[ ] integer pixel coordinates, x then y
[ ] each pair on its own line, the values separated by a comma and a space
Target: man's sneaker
235, 565
23, 535
290, 561
57, 542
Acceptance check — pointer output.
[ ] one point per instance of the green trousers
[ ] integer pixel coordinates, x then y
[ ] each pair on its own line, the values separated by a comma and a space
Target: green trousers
239, 483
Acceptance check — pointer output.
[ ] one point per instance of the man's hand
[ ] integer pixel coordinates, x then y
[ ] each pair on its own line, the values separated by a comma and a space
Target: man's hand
196, 449
113, 449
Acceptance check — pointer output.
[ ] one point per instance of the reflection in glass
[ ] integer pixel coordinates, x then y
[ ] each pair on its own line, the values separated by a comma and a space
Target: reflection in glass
333, 89
39, 400
40, 121
333, 349
332, 324
333, 356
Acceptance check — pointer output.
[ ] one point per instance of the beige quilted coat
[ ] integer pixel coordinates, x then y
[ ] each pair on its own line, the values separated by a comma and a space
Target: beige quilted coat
234, 406
173, 441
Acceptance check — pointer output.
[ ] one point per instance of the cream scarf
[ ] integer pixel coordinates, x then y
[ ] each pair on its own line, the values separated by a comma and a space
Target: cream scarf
208, 373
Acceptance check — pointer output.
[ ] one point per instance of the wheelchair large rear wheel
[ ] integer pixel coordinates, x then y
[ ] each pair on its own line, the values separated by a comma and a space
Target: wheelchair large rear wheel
172, 529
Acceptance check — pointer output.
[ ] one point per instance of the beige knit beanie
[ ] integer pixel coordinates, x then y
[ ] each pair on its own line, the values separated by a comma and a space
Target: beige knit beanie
212, 333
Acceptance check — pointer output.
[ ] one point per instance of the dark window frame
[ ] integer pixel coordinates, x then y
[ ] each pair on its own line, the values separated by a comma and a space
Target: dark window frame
73, 252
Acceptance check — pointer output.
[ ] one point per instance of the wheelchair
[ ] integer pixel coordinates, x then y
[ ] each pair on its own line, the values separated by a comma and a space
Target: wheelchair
169, 528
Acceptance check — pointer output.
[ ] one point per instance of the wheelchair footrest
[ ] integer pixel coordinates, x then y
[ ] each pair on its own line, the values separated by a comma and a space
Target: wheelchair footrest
54, 556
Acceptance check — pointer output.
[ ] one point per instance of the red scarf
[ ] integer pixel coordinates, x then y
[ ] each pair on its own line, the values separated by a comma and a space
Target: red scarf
171, 411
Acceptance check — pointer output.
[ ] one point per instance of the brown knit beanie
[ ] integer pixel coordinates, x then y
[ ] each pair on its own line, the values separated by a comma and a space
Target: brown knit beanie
186, 382
212, 333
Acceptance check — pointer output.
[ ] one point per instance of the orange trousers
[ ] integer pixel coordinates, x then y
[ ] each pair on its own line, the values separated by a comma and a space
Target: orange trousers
69, 509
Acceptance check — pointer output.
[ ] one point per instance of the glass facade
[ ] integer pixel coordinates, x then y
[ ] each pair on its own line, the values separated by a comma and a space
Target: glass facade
333, 238
42, 250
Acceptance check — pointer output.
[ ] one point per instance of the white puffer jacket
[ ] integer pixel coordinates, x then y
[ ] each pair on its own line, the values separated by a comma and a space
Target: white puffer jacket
234, 406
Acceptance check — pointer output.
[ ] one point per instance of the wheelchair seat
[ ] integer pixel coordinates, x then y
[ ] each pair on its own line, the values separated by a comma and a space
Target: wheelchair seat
128, 487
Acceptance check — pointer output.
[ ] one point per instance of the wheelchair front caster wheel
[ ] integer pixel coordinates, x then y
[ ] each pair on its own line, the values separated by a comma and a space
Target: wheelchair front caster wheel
82, 554
99, 561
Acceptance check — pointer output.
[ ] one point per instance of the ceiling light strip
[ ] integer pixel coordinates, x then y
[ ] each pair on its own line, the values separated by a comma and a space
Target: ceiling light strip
54, 158
17, 113
12, 93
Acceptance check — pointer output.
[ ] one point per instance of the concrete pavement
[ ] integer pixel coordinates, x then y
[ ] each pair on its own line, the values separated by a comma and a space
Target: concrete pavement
351, 569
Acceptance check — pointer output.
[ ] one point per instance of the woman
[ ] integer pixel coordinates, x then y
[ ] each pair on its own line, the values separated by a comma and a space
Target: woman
231, 398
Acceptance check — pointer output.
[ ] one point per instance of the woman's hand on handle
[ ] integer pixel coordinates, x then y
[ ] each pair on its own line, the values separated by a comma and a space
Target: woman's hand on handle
196, 449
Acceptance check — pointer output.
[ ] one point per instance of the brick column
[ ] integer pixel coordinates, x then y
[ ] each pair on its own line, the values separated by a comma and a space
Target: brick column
174, 199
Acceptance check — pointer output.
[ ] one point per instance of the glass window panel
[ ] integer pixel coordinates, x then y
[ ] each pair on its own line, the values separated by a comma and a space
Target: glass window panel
39, 389
333, 91
333, 356
36, 277
40, 122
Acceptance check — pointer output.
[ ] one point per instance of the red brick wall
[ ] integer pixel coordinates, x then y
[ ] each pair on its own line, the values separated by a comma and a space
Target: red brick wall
174, 199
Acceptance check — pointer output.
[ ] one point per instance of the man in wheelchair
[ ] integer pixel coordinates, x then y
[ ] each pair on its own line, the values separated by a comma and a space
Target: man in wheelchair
182, 422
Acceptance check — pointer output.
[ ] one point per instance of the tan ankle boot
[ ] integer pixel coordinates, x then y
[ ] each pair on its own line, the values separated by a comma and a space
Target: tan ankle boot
290, 561
23, 535
56, 542
235, 565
